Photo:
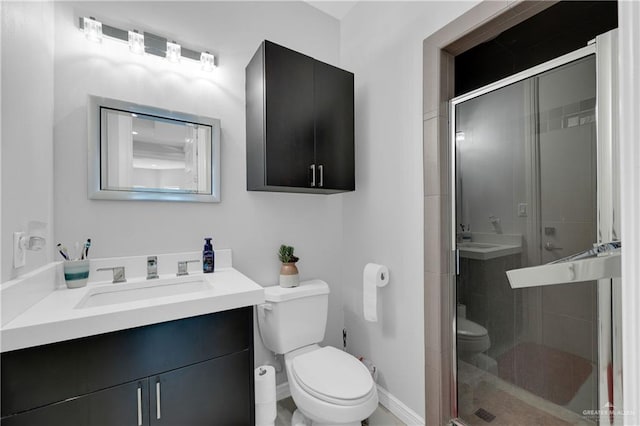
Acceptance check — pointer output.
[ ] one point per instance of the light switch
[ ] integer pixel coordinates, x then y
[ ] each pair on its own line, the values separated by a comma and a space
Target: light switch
522, 209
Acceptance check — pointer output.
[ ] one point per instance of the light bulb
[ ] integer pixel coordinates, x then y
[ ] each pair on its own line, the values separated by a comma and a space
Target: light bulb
136, 42
207, 61
92, 29
173, 52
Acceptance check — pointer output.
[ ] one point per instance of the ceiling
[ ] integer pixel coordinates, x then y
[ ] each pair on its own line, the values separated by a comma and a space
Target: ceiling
338, 9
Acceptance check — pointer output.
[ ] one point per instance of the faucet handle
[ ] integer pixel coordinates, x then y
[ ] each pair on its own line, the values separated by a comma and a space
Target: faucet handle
152, 267
183, 266
118, 274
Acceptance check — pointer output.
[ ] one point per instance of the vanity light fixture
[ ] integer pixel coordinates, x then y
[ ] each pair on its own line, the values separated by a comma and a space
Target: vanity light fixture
146, 43
136, 42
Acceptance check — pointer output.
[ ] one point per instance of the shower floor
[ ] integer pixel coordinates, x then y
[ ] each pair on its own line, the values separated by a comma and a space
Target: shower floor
552, 374
478, 389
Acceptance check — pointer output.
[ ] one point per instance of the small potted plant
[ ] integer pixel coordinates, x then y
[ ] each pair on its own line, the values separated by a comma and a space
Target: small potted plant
288, 272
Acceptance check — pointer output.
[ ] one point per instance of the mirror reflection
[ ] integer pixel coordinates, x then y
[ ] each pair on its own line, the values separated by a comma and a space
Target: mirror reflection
526, 194
148, 153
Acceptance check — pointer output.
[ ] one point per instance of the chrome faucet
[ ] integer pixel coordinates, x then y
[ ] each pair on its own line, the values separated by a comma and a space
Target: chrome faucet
183, 265
118, 274
152, 267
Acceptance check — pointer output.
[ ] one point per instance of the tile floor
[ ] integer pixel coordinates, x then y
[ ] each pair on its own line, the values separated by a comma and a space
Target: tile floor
380, 417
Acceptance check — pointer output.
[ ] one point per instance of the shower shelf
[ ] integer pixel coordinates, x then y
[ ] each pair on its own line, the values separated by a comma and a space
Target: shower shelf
594, 268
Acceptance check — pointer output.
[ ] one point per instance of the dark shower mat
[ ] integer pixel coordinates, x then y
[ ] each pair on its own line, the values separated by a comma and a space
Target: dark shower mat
550, 373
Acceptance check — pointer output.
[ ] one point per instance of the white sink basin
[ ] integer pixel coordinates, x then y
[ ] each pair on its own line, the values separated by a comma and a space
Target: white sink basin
473, 245
486, 246
122, 293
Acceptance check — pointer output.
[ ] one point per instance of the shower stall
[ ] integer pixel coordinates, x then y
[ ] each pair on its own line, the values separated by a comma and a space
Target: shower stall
533, 157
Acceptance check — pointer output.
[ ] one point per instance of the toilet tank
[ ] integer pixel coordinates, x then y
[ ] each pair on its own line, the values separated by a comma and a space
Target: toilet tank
293, 317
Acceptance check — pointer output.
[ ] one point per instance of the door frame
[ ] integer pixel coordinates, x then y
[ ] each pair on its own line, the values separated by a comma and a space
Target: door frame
605, 51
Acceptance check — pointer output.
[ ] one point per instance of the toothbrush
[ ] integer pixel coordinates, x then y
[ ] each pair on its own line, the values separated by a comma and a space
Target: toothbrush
85, 251
77, 251
63, 251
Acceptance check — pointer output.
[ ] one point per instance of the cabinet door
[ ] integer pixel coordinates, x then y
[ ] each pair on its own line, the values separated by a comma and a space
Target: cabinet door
122, 405
334, 128
289, 116
214, 392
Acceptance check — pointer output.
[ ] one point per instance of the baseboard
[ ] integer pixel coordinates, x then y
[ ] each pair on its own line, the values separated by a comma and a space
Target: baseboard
282, 391
398, 408
387, 400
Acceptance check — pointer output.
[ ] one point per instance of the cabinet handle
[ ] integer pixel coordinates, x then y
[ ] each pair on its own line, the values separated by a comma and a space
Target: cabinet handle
321, 183
139, 405
158, 414
313, 174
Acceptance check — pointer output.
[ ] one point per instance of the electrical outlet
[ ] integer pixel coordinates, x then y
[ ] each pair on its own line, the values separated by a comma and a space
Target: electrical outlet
19, 252
344, 339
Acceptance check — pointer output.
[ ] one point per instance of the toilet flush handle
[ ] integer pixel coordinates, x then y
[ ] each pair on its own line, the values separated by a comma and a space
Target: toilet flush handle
264, 307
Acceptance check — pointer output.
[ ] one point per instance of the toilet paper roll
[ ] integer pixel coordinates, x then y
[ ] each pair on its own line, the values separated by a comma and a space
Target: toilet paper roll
373, 276
265, 395
265, 383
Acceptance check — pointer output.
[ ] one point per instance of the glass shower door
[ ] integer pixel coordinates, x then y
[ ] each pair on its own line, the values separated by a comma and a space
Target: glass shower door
526, 194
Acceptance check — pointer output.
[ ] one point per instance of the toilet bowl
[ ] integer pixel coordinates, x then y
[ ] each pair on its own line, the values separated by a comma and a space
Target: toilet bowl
472, 340
329, 386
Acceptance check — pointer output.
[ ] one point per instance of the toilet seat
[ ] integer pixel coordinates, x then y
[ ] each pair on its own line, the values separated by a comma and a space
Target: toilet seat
471, 338
333, 376
469, 329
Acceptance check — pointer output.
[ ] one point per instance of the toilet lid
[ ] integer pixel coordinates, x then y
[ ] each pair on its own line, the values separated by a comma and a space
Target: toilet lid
469, 328
332, 375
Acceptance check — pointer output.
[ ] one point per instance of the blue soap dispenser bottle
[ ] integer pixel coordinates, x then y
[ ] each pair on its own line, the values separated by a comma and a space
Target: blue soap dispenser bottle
208, 257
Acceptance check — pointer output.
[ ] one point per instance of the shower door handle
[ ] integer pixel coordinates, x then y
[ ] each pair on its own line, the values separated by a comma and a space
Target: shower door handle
550, 247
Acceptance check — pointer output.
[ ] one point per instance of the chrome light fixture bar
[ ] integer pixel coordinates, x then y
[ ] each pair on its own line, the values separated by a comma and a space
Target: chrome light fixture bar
148, 43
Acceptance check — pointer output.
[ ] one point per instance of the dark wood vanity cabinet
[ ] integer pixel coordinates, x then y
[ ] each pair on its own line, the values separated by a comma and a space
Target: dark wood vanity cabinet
117, 405
193, 371
300, 123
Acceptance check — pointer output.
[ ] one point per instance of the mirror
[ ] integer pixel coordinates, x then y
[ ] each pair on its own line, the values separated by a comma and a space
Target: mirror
138, 152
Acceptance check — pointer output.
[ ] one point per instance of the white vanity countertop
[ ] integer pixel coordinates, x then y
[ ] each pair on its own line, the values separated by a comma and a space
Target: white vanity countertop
57, 318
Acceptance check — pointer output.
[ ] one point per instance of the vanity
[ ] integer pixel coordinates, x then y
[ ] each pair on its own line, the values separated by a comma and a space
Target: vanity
170, 359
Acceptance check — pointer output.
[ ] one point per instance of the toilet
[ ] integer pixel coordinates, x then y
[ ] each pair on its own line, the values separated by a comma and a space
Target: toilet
472, 340
329, 386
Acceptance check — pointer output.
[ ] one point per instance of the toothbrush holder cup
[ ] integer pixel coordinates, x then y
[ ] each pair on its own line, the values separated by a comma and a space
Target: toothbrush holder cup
76, 273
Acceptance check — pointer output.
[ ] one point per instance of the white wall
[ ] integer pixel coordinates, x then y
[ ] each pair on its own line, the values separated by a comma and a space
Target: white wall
381, 43
1, 233
629, 61
252, 224
27, 120
491, 160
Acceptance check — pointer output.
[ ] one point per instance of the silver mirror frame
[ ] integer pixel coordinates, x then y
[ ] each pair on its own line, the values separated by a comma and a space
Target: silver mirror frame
93, 121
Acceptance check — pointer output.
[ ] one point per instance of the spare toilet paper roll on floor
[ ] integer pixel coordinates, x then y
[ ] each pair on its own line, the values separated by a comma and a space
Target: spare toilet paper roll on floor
265, 395
373, 276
